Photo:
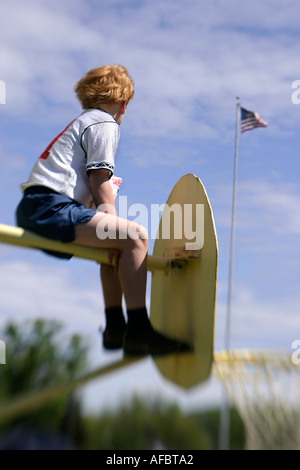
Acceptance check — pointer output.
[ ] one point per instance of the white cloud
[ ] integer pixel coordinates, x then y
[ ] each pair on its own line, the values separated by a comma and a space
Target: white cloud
260, 323
188, 63
266, 263
41, 290
264, 208
277, 203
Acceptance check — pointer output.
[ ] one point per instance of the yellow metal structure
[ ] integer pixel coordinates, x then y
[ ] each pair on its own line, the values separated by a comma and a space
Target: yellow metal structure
184, 277
183, 302
19, 236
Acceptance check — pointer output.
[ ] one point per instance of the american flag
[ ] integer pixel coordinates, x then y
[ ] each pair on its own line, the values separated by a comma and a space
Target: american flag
250, 120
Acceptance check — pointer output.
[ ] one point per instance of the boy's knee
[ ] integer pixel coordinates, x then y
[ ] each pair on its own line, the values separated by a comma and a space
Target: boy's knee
138, 234
137, 231
143, 234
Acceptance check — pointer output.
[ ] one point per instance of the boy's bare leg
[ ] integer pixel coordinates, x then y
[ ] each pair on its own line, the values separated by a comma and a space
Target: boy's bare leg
140, 337
132, 269
115, 324
112, 290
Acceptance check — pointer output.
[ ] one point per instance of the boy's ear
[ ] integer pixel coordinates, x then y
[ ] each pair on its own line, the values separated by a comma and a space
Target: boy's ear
123, 107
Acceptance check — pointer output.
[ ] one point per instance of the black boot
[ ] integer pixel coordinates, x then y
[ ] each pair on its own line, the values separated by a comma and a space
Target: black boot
115, 328
141, 338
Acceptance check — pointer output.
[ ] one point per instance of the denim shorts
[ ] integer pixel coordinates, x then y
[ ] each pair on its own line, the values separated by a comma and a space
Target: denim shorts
51, 215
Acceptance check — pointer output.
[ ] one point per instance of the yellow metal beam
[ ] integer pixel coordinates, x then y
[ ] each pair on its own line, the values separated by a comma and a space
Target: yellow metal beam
24, 404
18, 236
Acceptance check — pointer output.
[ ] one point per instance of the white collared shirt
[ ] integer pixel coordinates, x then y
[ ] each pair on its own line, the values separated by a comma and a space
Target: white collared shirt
87, 143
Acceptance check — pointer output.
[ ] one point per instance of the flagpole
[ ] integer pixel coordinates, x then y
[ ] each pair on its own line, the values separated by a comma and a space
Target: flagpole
231, 259
224, 435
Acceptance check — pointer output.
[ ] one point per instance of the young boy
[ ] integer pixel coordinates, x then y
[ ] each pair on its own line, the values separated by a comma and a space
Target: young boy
70, 179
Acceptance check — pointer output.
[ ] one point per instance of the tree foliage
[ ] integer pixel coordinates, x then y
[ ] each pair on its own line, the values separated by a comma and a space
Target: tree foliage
144, 424
38, 355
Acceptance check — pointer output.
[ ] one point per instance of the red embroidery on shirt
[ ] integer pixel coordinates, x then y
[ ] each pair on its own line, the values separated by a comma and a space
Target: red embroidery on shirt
46, 152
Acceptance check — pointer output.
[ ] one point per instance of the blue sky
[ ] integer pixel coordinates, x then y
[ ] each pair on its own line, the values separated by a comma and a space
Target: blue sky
189, 59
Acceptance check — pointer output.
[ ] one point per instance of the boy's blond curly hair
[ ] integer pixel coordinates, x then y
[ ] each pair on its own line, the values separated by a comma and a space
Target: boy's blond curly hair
106, 84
